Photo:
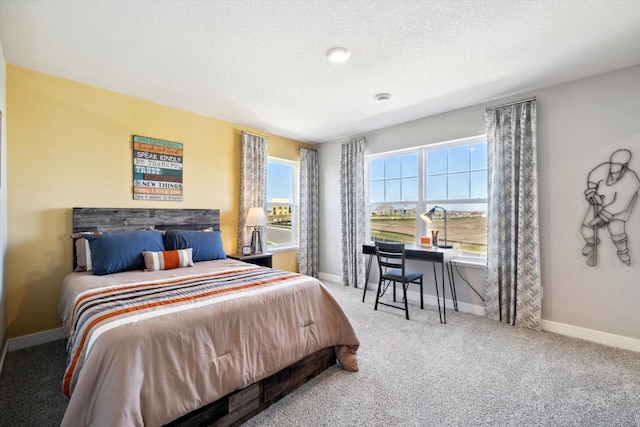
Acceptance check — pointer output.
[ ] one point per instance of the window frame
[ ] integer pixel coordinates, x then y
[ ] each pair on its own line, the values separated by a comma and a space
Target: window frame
294, 204
419, 191
422, 203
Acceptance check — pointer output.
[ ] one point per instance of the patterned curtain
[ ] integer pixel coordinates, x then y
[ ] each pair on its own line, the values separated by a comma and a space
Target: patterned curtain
353, 211
513, 287
308, 251
253, 184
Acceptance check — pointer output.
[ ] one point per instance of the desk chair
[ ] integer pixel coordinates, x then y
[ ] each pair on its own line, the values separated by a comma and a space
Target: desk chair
391, 265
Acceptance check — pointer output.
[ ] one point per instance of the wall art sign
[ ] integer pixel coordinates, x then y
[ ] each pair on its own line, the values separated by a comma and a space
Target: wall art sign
157, 169
612, 191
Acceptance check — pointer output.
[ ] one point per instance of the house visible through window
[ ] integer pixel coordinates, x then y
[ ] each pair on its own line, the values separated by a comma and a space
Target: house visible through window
282, 208
453, 176
394, 197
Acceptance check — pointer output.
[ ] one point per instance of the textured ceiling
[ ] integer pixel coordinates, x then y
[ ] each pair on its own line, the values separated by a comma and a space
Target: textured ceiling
262, 63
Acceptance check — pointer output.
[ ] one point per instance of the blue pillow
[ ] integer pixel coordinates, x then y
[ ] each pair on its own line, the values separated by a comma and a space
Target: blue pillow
114, 252
206, 245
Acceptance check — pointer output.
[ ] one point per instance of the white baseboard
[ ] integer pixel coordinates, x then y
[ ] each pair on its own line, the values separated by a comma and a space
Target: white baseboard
35, 339
330, 277
555, 327
462, 306
592, 335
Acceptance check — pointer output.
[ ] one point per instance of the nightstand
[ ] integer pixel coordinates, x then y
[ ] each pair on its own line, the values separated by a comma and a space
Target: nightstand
264, 259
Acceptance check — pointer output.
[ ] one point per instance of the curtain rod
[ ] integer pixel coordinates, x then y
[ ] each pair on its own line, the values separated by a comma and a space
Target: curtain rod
255, 134
511, 103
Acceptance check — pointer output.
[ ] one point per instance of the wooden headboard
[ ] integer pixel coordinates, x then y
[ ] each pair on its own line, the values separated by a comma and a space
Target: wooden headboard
117, 219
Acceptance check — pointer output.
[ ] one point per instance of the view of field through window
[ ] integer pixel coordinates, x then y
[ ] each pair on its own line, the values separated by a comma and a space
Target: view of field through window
466, 229
452, 177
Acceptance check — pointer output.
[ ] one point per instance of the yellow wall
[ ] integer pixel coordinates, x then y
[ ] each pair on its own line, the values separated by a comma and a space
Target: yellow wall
70, 145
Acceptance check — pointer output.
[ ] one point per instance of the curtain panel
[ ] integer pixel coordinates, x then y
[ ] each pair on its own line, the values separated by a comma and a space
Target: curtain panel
253, 184
513, 285
308, 249
353, 211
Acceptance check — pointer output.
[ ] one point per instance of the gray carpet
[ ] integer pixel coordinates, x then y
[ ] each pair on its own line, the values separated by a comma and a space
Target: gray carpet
469, 372
31, 386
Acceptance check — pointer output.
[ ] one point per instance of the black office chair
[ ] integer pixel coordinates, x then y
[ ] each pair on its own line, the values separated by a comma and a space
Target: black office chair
391, 265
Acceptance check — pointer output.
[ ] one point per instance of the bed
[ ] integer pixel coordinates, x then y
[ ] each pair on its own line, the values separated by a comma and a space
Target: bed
209, 344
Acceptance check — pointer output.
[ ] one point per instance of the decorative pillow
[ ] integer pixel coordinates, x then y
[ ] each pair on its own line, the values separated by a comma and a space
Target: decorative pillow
167, 260
83, 255
114, 252
206, 245
83, 251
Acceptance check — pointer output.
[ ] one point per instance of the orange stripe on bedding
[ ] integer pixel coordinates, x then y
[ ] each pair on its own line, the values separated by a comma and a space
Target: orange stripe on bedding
92, 324
148, 285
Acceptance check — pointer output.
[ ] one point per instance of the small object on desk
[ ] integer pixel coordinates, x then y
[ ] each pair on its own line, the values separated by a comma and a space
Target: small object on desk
246, 250
425, 241
434, 238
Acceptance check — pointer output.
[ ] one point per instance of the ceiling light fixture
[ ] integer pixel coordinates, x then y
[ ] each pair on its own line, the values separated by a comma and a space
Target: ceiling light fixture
338, 54
383, 98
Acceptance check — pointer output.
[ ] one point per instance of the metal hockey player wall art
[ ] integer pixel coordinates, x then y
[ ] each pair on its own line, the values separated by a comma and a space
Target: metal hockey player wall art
612, 191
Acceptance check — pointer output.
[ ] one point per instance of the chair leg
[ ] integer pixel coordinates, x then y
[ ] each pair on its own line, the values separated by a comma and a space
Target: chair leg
375, 307
366, 277
406, 303
421, 295
394, 291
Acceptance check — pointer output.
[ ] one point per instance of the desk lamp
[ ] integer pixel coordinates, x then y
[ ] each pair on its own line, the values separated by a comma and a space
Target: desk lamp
428, 217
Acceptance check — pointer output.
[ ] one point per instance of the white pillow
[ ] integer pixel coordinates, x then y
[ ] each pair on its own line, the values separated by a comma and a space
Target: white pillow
83, 251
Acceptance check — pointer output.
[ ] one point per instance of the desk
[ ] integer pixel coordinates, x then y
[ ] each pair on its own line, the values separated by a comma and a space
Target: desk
423, 253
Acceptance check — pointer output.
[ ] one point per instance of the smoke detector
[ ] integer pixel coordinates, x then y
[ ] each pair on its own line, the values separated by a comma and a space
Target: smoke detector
383, 98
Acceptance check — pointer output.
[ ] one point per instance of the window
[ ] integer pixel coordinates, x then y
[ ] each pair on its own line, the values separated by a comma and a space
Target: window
450, 175
282, 208
393, 196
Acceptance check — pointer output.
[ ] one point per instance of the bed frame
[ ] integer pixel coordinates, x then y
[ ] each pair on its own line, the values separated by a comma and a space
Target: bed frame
237, 407
240, 405
128, 219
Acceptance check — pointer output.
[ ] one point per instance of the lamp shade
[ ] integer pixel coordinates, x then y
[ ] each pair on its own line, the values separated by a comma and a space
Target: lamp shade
255, 217
428, 216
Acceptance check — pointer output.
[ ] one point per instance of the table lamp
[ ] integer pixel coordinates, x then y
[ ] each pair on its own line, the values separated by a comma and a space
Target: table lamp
428, 217
256, 218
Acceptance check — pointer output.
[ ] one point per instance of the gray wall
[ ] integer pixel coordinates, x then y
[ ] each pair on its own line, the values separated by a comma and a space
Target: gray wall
580, 123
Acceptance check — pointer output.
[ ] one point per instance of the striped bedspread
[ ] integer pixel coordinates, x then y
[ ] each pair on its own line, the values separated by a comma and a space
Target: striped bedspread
145, 348
99, 310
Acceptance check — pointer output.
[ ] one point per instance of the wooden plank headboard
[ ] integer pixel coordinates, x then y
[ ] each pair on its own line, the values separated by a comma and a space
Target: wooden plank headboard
123, 219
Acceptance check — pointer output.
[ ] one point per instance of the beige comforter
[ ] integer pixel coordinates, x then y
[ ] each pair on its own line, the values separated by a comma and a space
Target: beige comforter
140, 355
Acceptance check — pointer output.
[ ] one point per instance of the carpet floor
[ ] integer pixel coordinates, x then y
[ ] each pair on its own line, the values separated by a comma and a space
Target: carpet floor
469, 372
